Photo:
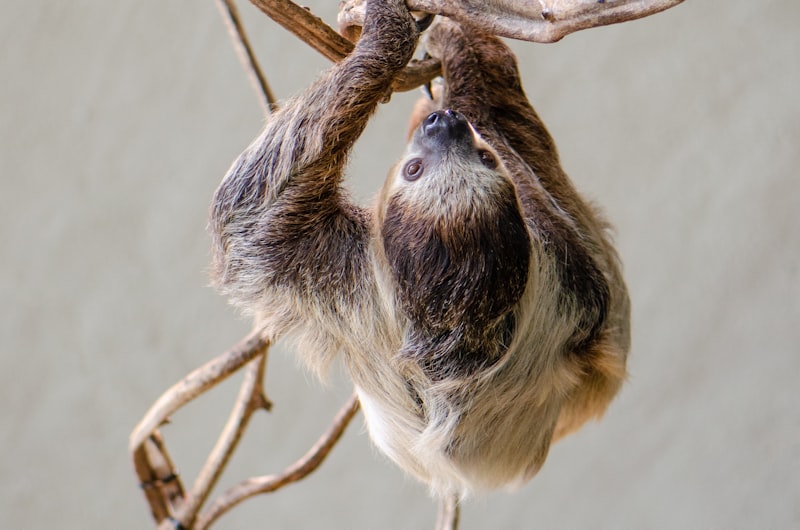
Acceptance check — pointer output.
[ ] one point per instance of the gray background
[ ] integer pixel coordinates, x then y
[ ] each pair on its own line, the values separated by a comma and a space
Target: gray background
119, 118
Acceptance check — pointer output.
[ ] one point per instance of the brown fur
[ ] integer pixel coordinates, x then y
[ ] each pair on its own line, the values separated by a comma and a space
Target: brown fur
480, 308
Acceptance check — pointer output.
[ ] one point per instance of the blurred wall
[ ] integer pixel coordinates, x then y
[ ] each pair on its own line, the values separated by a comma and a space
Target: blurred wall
117, 120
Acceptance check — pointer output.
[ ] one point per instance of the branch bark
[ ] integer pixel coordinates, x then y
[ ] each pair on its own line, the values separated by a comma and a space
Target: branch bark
158, 479
196, 383
169, 503
157, 474
250, 399
230, 14
542, 21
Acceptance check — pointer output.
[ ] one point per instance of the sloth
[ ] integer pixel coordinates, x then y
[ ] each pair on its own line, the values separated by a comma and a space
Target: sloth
478, 307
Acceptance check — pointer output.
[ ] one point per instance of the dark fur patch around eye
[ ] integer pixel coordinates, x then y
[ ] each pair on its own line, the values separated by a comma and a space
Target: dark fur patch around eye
413, 169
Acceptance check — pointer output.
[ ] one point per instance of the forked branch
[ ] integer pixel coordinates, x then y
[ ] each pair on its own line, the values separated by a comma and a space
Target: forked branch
164, 491
158, 477
196, 383
295, 472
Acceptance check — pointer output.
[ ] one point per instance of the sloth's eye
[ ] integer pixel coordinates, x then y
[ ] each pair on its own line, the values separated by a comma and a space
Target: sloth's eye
488, 159
413, 169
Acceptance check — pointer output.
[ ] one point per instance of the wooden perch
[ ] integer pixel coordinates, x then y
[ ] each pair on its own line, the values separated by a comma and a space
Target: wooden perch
531, 20
164, 491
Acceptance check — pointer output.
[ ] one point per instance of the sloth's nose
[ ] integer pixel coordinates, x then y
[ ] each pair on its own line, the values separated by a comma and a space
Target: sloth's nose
444, 127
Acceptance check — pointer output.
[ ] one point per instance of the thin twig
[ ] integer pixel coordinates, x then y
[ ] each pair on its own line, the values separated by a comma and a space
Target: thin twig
246, 55
297, 471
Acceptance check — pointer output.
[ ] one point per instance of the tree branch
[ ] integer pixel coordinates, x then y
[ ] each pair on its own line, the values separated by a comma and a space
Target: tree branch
196, 383
158, 479
297, 471
157, 474
246, 55
531, 20
163, 489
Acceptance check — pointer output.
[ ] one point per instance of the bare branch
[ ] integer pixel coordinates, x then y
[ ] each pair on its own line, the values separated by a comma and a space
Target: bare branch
531, 20
158, 479
197, 382
246, 55
293, 473
306, 26
314, 32
162, 487
250, 399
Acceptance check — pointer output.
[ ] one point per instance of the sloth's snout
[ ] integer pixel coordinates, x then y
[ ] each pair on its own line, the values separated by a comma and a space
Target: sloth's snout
445, 127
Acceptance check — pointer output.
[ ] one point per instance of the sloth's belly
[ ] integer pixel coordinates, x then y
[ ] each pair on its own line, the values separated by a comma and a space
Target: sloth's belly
474, 449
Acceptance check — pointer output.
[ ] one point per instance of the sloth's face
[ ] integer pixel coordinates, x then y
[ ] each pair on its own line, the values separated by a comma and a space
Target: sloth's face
447, 166
452, 228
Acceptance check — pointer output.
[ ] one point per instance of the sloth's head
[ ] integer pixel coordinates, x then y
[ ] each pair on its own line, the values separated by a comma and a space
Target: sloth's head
452, 230
447, 168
